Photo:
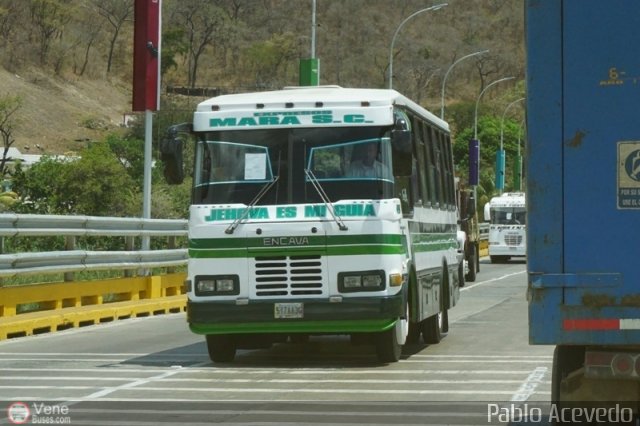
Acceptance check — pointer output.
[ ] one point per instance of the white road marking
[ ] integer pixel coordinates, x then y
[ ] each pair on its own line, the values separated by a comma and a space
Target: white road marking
478, 284
529, 386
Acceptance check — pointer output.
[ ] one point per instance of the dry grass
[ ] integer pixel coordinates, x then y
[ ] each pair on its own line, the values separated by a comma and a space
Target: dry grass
60, 115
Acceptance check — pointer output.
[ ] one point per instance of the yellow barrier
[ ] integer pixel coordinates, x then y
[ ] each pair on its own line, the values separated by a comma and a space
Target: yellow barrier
484, 248
77, 304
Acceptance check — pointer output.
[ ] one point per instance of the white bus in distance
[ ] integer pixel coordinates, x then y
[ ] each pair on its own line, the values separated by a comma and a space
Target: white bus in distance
507, 216
318, 210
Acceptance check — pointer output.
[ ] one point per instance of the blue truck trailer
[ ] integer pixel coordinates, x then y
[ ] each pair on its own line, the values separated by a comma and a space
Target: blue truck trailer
583, 195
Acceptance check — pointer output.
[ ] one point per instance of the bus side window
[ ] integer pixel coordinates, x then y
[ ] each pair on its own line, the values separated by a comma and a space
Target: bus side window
420, 189
403, 171
434, 172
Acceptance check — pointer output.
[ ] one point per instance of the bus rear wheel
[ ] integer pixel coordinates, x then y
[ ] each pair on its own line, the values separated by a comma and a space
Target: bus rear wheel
432, 329
435, 327
221, 347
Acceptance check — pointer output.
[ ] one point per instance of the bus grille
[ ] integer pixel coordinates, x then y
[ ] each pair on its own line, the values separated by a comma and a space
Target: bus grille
513, 240
288, 276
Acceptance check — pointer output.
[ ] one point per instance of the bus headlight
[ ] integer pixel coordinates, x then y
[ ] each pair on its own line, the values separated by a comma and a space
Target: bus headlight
353, 281
217, 285
361, 281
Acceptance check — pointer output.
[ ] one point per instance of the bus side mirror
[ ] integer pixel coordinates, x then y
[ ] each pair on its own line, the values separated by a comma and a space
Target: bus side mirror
171, 155
487, 212
401, 136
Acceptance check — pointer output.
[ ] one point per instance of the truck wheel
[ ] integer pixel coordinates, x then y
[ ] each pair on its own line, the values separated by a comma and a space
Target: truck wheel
461, 276
473, 266
566, 359
221, 347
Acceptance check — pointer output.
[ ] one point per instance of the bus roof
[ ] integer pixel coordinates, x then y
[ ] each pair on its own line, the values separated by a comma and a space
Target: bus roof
329, 106
509, 199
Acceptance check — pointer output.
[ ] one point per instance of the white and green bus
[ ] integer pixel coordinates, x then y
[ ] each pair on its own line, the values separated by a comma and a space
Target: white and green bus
318, 210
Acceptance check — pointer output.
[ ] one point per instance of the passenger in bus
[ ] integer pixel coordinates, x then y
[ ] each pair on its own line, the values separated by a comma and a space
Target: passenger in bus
367, 165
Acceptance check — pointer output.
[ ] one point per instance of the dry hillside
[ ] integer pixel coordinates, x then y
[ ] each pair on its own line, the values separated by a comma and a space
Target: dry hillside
74, 111
62, 49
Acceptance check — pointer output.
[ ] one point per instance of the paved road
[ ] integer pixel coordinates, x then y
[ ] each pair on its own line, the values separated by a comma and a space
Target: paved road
151, 370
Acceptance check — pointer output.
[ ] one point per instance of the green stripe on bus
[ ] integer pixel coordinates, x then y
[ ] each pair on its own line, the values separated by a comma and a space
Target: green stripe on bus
253, 242
424, 242
353, 326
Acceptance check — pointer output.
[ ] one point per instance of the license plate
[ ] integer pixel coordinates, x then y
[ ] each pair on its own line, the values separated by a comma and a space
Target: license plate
288, 310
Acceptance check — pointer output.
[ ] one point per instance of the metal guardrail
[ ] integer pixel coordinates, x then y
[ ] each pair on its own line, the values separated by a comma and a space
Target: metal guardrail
47, 307
46, 225
71, 260
484, 230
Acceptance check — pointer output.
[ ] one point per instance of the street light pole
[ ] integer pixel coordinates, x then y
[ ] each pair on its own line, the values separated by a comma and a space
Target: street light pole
474, 144
475, 115
393, 40
444, 80
500, 155
313, 29
518, 163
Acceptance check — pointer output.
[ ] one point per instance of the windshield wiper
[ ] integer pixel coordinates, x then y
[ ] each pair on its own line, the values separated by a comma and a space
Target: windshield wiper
325, 199
252, 204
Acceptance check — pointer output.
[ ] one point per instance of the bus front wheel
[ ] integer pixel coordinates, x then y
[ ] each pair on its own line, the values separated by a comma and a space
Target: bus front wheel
221, 347
388, 348
389, 342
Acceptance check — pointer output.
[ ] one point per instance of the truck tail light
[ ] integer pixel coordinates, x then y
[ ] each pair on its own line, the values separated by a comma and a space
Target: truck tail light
600, 364
622, 365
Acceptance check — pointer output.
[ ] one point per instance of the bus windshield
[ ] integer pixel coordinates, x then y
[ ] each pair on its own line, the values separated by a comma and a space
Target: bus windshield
508, 215
349, 163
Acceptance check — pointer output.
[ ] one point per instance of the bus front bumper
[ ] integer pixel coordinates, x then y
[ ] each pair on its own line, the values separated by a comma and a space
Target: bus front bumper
351, 315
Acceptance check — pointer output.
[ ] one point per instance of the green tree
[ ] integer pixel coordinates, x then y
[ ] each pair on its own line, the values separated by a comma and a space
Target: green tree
174, 44
92, 184
96, 184
489, 130
129, 151
41, 187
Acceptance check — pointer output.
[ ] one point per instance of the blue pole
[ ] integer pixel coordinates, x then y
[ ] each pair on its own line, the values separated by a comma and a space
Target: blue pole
500, 156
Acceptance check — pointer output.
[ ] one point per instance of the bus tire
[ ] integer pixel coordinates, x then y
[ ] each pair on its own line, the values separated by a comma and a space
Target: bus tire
566, 359
473, 265
389, 342
435, 326
388, 348
221, 347
461, 276
432, 328
414, 332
